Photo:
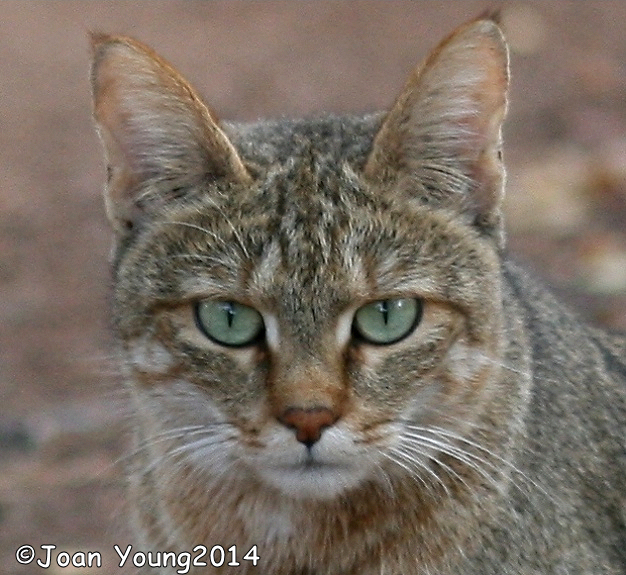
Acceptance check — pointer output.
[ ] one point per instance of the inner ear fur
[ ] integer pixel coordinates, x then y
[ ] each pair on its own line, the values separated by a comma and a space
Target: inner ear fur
441, 140
158, 136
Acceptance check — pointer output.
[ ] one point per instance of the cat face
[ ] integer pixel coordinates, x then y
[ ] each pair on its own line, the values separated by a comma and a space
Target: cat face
310, 305
323, 297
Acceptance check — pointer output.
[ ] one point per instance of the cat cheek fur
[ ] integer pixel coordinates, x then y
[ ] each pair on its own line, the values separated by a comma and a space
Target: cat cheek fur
149, 356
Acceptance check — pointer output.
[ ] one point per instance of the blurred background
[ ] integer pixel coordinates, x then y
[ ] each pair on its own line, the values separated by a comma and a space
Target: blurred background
62, 430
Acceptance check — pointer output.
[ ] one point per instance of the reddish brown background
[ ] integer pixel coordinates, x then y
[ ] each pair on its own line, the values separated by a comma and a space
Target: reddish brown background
61, 424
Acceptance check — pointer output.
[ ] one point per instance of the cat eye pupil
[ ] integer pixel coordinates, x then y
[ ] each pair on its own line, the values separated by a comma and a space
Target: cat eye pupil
387, 321
384, 310
230, 314
229, 323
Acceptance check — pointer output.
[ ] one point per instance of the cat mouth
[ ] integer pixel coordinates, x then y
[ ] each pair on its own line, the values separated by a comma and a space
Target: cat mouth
310, 464
312, 477
313, 465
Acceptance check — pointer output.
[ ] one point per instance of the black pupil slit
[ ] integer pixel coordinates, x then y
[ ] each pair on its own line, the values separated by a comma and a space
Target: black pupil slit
384, 309
230, 314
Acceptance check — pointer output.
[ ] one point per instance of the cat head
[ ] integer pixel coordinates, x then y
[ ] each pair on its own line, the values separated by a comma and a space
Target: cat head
300, 303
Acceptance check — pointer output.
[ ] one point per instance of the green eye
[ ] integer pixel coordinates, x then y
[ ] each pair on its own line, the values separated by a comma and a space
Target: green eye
229, 323
388, 320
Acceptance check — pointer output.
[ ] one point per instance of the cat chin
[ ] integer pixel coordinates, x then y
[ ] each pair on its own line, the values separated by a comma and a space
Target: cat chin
320, 481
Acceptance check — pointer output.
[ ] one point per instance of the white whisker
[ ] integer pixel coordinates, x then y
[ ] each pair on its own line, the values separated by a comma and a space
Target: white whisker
415, 448
416, 468
232, 227
206, 259
212, 235
469, 459
480, 463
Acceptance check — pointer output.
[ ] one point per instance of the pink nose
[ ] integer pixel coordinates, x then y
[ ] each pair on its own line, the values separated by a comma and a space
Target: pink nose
308, 423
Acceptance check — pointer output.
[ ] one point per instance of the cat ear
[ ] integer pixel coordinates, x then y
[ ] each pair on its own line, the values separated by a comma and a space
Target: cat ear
159, 137
441, 141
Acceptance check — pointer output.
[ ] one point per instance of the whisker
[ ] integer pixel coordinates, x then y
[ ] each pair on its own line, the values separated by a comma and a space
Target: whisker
397, 459
469, 459
419, 466
232, 227
198, 444
206, 231
162, 437
185, 449
476, 459
412, 447
201, 258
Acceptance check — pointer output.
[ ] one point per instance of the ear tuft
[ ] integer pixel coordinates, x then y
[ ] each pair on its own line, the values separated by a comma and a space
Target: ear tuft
158, 135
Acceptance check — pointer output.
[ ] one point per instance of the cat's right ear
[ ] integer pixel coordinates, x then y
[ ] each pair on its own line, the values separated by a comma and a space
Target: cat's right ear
159, 138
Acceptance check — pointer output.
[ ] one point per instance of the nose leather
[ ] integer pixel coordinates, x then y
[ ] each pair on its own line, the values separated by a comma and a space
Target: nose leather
308, 423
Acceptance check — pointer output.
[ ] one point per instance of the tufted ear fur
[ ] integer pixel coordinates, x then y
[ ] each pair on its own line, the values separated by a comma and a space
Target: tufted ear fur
159, 137
441, 141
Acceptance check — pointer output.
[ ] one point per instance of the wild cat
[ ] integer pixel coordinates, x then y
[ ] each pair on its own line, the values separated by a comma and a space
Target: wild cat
333, 367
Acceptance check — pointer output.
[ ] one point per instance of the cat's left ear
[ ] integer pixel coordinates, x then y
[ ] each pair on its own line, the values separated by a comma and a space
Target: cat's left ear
441, 141
159, 138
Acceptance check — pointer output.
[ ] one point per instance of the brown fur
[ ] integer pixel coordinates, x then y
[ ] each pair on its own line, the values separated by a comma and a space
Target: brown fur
489, 440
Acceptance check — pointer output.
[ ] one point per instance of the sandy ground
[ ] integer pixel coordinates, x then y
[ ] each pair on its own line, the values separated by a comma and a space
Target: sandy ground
61, 422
